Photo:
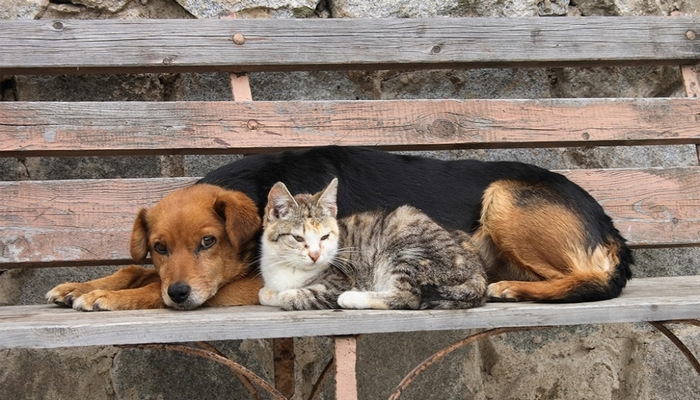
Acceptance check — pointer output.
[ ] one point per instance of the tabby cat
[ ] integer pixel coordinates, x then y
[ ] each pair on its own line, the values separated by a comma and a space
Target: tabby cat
397, 259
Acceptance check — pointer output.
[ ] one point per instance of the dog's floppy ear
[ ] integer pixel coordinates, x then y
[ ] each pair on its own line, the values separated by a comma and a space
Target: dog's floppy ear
139, 237
240, 216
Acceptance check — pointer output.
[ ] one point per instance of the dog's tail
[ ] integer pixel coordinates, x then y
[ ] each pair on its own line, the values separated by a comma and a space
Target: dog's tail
593, 284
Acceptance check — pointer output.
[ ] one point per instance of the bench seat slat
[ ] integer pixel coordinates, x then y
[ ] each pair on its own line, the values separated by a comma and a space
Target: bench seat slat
39, 326
121, 128
79, 222
111, 46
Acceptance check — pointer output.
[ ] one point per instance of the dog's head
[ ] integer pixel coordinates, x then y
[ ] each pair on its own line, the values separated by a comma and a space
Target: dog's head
200, 238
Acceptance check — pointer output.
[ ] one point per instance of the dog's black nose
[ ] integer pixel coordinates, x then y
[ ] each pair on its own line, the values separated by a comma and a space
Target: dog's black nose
179, 291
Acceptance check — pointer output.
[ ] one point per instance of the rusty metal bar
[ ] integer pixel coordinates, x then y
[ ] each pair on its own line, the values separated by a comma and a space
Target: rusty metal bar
681, 346
449, 349
234, 366
316, 390
244, 380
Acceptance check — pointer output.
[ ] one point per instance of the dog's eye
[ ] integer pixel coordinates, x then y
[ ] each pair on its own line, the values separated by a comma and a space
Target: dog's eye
298, 238
326, 236
160, 248
207, 242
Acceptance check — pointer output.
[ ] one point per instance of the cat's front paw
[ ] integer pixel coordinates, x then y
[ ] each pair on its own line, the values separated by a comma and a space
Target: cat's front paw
290, 300
268, 297
354, 299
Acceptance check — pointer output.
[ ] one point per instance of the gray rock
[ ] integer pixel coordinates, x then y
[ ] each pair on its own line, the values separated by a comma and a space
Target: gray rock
57, 373
627, 7
9, 169
111, 6
123, 9
548, 8
23, 9
250, 8
430, 8
29, 285
92, 167
615, 82
391, 8
184, 376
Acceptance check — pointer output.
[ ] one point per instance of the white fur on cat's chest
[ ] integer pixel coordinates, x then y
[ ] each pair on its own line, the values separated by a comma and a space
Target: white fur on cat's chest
287, 278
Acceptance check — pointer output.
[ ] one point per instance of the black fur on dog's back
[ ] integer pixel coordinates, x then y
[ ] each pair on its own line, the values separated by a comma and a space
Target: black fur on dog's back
450, 192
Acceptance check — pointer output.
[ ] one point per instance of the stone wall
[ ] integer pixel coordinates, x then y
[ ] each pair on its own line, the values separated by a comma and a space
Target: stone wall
579, 362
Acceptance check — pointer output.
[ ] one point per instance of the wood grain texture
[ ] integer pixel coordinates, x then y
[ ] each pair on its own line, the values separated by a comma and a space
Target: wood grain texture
110, 46
78, 222
74, 222
99, 128
647, 299
655, 207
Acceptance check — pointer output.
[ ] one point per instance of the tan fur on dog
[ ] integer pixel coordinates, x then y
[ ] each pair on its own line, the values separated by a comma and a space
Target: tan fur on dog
550, 267
201, 239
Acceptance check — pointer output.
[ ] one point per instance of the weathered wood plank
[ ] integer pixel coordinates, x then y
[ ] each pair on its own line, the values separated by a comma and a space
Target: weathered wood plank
97, 128
650, 207
74, 222
648, 299
109, 46
78, 222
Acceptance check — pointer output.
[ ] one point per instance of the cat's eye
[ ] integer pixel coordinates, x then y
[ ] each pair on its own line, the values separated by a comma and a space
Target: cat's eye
207, 242
160, 248
326, 236
298, 238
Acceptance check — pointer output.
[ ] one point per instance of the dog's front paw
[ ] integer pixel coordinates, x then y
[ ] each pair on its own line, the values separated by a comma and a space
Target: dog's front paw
500, 291
66, 293
97, 300
268, 297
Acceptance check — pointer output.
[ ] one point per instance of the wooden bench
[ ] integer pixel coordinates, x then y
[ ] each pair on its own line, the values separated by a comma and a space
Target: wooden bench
45, 224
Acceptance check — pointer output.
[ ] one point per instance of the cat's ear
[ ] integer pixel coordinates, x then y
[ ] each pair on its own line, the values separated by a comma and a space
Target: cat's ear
328, 198
279, 202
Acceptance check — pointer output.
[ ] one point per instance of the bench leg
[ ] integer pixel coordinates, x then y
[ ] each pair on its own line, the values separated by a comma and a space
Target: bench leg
345, 360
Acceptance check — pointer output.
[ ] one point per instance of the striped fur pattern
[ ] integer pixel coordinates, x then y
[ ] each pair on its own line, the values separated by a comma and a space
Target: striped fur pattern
398, 259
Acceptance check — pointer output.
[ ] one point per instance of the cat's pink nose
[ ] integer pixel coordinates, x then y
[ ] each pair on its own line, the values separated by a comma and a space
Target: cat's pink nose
314, 255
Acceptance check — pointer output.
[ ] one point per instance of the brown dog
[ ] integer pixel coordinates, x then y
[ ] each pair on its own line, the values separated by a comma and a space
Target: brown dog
541, 236
203, 239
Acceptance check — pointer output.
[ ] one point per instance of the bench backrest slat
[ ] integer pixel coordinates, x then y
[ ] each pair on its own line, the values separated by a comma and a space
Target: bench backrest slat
74, 222
110, 128
111, 46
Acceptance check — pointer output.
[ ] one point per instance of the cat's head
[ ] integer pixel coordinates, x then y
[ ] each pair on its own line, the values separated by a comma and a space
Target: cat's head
301, 230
